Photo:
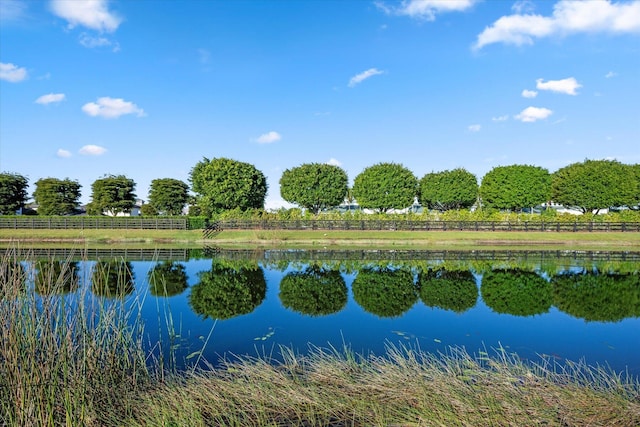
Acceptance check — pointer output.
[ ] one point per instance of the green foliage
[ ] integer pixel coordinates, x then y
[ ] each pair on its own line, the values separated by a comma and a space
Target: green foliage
226, 291
385, 292
168, 195
56, 277
112, 195
148, 210
595, 184
517, 292
196, 222
167, 279
13, 192
385, 186
314, 186
451, 290
515, 187
11, 272
223, 184
597, 297
112, 279
454, 189
316, 291
56, 196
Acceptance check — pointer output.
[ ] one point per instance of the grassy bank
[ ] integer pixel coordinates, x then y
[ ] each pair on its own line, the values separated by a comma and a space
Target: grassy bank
319, 238
79, 360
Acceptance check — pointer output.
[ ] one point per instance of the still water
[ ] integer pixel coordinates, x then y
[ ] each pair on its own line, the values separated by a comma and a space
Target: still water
209, 304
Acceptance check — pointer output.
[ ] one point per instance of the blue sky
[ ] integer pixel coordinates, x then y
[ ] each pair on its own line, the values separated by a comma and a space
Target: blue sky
148, 88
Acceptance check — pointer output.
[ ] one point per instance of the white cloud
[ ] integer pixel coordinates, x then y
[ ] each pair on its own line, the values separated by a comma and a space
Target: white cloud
529, 93
334, 162
92, 150
426, 9
523, 6
91, 42
111, 108
12, 10
269, 137
359, 78
500, 118
12, 73
567, 86
532, 114
93, 14
568, 17
610, 74
63, 153
474, 128
50, 98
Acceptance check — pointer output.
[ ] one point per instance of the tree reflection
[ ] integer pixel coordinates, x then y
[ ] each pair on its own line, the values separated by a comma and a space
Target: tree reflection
56, 277
594, 296
112, 279
451, 290
384, 292
12, 278
316, 291
228, 290
517, 292
167, 279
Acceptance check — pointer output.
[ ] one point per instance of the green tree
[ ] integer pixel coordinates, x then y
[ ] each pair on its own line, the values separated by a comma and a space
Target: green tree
515, 187
168, 195
451, 290
56, 277
167, 279
384, 292
225, 184
56, 196
385, 186
517, 292
13, 192
450, 189
314, 186
316, 291
112, 279
227, 291
595, 184
111, 195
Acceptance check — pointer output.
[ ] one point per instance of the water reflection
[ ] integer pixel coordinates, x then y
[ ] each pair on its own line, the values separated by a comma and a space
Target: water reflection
167, 279
517, 292
56, 277
597, 296
450, 290
229, 289
112, 279
385, 292
315, 291
12, 276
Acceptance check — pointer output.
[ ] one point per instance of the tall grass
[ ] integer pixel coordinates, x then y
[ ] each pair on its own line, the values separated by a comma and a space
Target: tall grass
73, 360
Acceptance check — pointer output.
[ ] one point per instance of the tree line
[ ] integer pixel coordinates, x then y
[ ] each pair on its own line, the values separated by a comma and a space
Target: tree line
222, 184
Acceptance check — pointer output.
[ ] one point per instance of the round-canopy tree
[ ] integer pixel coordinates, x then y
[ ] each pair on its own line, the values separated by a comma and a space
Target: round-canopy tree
111, 195
385, 186
56, 277
112, 279
384, 292
314, 186
517, 292
225, 184
515, 187
56, 196
316, 291
595, 184
451, 290
13, 192
167, 279
454, 189
168, 196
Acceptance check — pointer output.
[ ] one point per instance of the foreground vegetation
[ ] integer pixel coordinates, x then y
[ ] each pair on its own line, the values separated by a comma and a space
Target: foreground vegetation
69, 359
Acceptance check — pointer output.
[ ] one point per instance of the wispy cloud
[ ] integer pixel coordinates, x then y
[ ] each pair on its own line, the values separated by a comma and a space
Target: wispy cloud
12, 10
93, 14
334, 162
425, 9
568, 17
62, 153
533, 114
359, 78
92, 150
474, 128
12, 73
268, 138
111, 108
567, 86
50, 98
500, 118
610, 74
529, 93
92, 42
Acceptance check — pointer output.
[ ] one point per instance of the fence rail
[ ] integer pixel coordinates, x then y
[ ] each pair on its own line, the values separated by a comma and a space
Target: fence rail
425, 225
63, 223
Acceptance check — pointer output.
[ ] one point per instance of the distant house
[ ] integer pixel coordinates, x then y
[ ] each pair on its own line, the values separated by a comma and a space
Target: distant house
135, 210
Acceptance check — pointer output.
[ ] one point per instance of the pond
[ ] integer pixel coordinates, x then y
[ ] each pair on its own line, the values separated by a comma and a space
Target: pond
560, 305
